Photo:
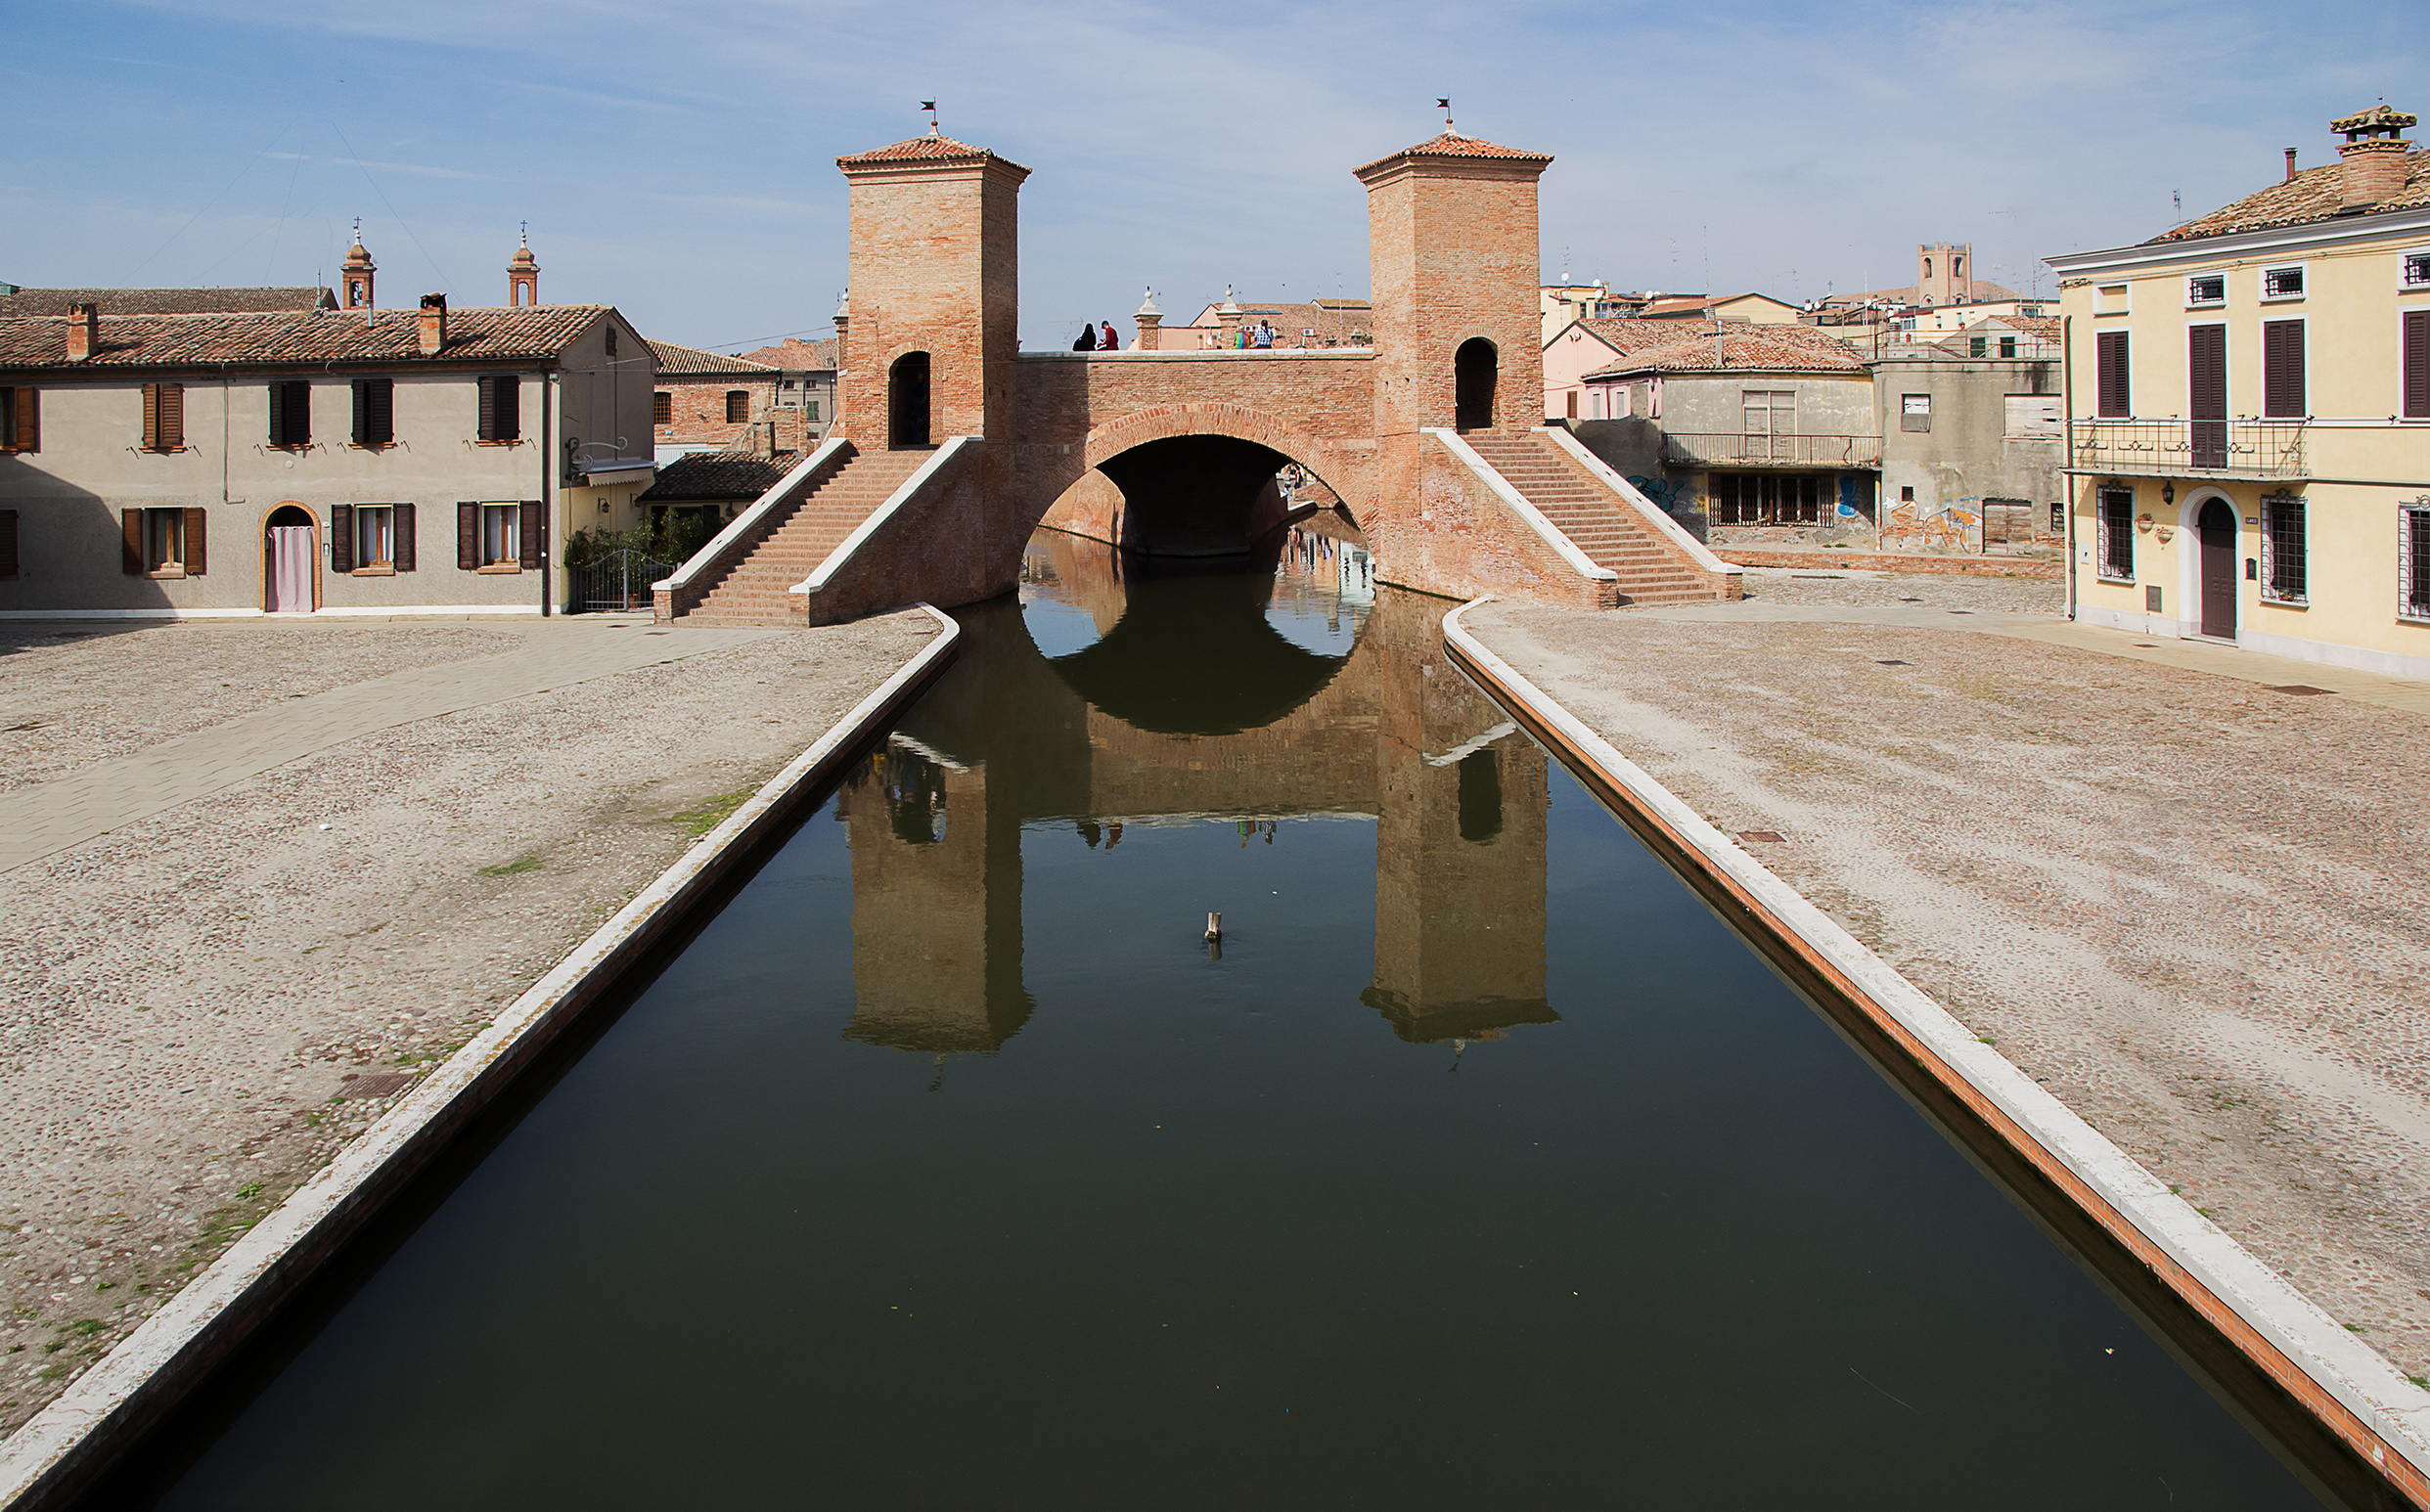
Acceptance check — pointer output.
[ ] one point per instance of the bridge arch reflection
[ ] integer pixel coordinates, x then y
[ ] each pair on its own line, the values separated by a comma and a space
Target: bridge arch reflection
1012, 740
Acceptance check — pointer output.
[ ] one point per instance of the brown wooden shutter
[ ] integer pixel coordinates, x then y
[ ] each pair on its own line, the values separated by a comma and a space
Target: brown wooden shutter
490, 409
510, 407
2282, 368
362, 411
404, 552
2206, 371
198, 546
300, 414
30, 420
384, 411
2111, 349
7, 543
152, 417
278, 415
467, 537
172, 423
2417, 364
341, 538
131, 538
535, 551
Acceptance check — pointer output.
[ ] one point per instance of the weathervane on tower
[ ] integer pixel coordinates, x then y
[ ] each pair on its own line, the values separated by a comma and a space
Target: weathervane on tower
1444, 102
929, 106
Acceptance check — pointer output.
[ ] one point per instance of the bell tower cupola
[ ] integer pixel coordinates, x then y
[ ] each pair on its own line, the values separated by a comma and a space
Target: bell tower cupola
523, 275
356, 274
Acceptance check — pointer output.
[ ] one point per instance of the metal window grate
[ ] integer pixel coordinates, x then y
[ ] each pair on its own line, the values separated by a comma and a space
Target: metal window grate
2416, 269
2282, 283
2117, 556
2284, 563
2414, 560
2207, 288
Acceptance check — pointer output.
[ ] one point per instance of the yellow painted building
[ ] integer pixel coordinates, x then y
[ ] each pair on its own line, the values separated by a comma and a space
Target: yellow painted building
2248, 401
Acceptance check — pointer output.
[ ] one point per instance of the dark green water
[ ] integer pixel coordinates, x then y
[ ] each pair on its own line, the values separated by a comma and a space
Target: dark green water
946, 1167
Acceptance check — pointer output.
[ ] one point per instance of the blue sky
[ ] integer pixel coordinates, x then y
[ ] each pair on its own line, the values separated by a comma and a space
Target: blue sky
676, 160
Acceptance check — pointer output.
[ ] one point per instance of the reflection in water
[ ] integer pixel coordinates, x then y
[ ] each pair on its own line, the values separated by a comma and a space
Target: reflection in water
1176, 698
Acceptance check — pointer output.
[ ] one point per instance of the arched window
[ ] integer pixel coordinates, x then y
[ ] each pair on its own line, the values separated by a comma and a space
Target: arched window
1474, 368
1928, 267
907, 401
738, 405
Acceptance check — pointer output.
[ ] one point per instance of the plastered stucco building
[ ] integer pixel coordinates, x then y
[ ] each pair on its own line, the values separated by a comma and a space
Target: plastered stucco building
351, 461
2249, 415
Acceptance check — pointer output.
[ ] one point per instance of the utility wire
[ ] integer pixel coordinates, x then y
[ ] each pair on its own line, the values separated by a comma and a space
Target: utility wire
214, 200
448, 283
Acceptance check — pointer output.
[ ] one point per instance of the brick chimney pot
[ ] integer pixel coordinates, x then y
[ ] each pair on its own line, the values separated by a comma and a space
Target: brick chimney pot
430, 327
83, 331
2374, 169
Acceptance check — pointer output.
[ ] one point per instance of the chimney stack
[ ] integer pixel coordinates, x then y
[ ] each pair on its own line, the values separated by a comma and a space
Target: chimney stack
83, 331
2290, 162
2374, 154
431, 325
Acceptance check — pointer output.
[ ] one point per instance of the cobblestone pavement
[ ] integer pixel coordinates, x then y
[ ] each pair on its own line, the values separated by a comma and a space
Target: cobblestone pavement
2188, 904
356, 883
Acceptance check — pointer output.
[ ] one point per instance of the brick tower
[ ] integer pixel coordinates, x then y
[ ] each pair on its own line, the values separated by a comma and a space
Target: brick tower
523, 277
357, 275
1452, 249
935, 278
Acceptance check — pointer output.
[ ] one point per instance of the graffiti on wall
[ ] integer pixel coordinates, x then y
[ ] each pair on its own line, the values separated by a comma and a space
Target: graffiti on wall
1951, 527
1666, 492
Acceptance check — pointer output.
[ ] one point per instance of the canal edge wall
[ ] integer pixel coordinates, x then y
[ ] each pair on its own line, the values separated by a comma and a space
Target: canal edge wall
2363, 1401
60, 1454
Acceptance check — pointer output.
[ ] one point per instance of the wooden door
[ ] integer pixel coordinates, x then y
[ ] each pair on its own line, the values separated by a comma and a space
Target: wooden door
2217, 525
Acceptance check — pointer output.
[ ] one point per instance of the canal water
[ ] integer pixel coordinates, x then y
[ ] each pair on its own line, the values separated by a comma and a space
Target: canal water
950, 1165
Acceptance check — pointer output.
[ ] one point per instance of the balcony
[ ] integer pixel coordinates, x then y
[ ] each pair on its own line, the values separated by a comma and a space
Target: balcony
2256, 450
1731, 449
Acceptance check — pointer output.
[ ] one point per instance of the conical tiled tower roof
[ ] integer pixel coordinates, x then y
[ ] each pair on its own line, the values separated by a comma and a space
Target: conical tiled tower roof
929, 149
1451, 144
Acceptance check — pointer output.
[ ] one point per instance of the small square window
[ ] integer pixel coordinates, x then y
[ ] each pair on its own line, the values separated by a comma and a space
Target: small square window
2418, 270
1977, 346
662, 408
2285, 283
2204, 290
1916, 410
2007, 346
2111, 299
164, 540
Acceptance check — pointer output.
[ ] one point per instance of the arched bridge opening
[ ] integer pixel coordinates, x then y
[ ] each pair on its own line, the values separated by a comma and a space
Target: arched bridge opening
1179, 483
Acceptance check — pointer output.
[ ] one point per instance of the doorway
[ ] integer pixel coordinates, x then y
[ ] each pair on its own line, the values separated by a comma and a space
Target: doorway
907, 401
291, 550
1475, 370
2218, 527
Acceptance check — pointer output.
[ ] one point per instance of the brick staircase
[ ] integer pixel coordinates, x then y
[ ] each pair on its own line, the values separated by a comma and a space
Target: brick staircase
1598, 523
751, 589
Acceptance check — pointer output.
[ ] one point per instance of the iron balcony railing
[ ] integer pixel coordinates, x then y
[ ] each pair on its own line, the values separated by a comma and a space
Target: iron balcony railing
1736, 450
2194, 447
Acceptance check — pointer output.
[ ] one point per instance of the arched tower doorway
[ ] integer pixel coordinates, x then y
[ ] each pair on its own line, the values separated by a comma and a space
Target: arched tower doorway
1475, 368
907, 402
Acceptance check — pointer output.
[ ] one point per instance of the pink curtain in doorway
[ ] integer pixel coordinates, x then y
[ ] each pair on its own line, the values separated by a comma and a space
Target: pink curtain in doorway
290, 569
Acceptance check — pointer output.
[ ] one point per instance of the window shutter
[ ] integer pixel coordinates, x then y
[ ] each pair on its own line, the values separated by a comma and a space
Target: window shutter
172, 425
403, 560
278, 415
341, 538
534, 550
2111, 349
467, 537
490, 409
131, 537
2206, 371
510, 417
197, 554
152, 417
7, 543
30, 420
362, 411
2283, 368
2417, 364
300, 414
384, 410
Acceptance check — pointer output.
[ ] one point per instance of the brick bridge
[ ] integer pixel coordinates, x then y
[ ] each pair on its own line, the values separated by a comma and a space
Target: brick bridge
953, 446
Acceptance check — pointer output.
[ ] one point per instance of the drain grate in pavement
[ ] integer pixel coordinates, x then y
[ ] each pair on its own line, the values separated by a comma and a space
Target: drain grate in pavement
1762, 838
380, 1084
2299, 689
1910, 600
1893, 664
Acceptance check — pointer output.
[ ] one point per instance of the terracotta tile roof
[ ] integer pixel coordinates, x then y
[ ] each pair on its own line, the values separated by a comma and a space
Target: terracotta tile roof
676, 361
2044, 328
799, 356
2315, 194
166, 302
2380, 115
1747, 349
479, 334
718, 477
1631, 333
926, 148
1451, 144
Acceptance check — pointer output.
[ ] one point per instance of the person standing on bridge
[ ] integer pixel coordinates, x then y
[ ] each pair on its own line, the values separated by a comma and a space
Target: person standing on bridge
1108, 341
1265, 335
1088, 338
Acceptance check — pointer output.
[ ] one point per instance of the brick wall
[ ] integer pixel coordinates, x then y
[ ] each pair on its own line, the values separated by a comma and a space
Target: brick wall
700, 412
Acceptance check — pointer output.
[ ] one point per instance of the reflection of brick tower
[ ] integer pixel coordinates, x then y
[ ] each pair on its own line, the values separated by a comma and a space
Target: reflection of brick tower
1452, 249
935, 274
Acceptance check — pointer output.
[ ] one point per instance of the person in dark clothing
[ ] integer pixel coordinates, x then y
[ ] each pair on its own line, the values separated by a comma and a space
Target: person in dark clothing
1110, 342
1087, 341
